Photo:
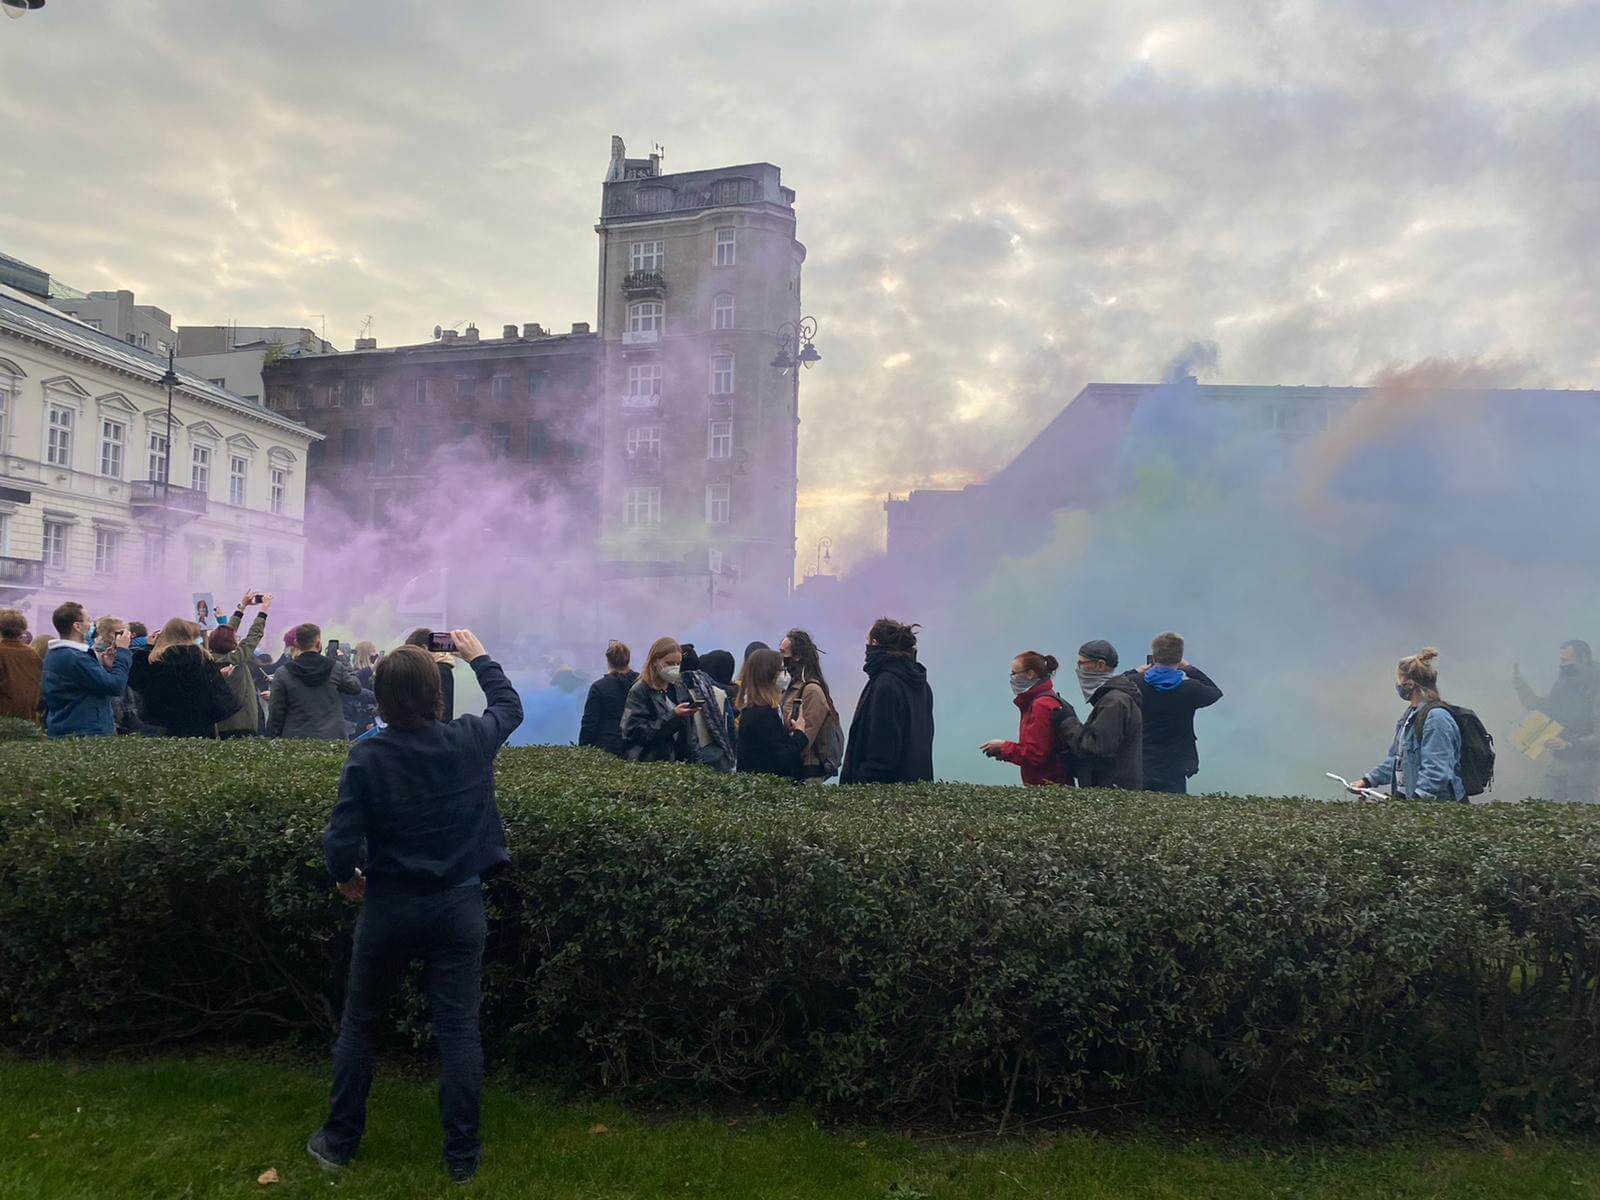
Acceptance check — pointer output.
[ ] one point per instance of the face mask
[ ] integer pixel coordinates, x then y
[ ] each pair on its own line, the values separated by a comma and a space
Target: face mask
784, 680
1021, 684
1404, 691
672, 674
1092, 681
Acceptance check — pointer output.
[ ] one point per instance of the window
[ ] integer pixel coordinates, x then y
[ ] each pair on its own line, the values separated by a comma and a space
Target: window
465, 389
317, 451
302, 396
733, 191
417, 443
644, 384
500, 439
349, 446
714, 561
718, 501
6, 385
221, 383
420, 390
158, 457
235, 562
538, 440
644, 441
646, 317
162, 347
646, 256
333, 394
653, 200
144, 341
722, 312
724, 252
722, 374
155, 554
500, 387
112, 436
719, 439
58, 453
349, 393
5, 534
107, 542
238, 477
200, 468
277, 489
535, 383
197, 563
369, 391
55, 545
643, 506
383, 448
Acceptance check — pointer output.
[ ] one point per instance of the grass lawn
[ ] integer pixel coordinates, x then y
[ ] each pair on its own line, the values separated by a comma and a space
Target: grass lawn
210, 1126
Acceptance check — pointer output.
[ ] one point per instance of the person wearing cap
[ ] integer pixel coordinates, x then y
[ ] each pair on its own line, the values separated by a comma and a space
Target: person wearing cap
1106, 750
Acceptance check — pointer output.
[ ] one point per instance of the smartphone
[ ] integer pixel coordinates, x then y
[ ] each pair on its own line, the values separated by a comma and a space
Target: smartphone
441, 643
333, 646
794, 711
1149, 660
695, 705
258, 598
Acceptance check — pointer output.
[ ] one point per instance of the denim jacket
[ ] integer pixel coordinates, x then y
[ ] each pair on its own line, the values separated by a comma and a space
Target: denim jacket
1432, 772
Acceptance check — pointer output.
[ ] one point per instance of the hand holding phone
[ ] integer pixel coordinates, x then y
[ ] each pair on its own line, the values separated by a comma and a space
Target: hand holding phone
441, 643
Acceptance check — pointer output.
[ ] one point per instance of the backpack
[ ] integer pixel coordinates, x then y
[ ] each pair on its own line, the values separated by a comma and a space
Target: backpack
829, 744
1477, 745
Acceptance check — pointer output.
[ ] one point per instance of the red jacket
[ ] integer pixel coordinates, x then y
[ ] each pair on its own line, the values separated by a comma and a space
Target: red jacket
1035, 748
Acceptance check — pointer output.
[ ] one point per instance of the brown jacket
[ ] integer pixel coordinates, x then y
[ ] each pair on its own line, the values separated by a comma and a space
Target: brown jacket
20, 672
814, 710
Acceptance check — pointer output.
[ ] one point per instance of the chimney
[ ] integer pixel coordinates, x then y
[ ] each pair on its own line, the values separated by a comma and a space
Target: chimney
580, 327
449, 335
509, 332
471, 334
367, 343
533, 330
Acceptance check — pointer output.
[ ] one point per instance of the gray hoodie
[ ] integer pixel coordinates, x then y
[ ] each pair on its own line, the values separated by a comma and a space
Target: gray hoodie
304, 701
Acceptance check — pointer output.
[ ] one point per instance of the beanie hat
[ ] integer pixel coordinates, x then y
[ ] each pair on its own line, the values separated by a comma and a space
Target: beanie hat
1099, 649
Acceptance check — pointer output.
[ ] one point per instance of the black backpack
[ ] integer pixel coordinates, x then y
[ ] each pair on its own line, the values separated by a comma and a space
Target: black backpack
1477, 746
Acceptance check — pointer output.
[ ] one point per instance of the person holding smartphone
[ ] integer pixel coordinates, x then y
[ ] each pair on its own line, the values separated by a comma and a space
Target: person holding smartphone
657, 713
441, 647
770, 743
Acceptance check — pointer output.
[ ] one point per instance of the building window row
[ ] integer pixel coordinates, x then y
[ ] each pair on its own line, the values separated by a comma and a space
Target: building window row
642, 505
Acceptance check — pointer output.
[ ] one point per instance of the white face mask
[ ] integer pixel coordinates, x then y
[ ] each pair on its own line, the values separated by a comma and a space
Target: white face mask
672, 674
1022, 684
784, 680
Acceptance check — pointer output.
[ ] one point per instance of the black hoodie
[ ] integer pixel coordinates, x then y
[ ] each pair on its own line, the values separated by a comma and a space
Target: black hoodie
891, 734
304, 701
183, 692
1107, 750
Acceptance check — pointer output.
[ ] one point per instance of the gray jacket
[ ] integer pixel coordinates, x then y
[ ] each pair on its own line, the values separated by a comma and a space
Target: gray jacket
304, 701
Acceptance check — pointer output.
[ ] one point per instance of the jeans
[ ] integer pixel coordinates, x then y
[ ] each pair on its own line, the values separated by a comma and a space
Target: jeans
1174, 782
446, 931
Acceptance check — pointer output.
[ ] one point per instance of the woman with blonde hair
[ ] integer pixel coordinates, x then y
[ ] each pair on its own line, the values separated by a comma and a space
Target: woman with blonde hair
185, 693
658, 710
1424, 760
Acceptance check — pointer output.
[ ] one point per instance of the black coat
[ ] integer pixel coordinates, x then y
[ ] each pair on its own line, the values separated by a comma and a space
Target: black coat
1169, 746
183, 692
765, 746
651, 731
602, 712
447, 685
891, 734
1107, 750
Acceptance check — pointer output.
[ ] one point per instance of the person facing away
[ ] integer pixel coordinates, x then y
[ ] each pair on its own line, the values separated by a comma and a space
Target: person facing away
602, 711
359, 710
228, 649
738, 683
1107, 749
1424, 760
1573, 702
417, 797
808, 692
1171, 691
1035, 750
891, 733
770, 742
76, 685
656, 714
714, 737
447, 668
20, 669
184, 692
305, 699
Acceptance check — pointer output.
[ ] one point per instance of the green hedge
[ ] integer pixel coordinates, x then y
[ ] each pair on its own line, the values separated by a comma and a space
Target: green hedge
939, 946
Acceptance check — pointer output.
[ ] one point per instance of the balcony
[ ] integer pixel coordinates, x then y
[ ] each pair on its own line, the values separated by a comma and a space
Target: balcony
636, 284
642, 400
20, 574
151, 496
640, 337
642, 464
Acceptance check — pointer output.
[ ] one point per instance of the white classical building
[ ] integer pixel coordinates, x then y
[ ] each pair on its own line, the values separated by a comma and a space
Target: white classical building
88, 508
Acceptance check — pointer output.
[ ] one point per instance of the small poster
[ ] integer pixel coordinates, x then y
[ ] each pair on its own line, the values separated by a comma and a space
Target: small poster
1534, 735
204, 608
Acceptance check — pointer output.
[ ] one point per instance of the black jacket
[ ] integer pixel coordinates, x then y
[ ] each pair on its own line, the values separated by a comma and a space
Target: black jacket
651, 732
183, 692
1169, 746
305, 699
891, 734
423, 801
765, 746
1106, 751
1574, 702
447, 684
602, 712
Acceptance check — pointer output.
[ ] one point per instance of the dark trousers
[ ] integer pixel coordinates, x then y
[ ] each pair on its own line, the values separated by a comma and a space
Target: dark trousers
1175, 782
446, 931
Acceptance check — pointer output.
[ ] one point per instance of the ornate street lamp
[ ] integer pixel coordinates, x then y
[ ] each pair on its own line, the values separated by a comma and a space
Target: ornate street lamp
795, 350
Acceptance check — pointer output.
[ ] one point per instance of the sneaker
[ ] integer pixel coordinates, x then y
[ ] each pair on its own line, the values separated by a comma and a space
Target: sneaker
462, 1172
325, 1158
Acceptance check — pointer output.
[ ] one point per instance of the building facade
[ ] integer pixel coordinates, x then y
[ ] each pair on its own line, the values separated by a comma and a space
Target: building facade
143, 326
102, 501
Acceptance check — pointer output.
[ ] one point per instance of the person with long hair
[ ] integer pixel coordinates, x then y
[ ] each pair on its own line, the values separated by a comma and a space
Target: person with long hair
769, 744
1424, 760
806, 692
229, 649
1033, 692
891, 733
184, 692
658, 710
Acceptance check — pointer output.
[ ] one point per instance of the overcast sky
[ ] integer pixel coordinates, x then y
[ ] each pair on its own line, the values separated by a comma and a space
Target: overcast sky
1002, 201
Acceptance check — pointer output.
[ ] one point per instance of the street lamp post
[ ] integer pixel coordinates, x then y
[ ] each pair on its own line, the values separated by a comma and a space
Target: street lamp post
169, 381
795, 350
824, 553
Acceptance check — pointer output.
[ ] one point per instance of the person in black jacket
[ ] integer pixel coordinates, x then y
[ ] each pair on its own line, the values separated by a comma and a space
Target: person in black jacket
183, 692
658, 715
602, 711
891, 734
447, 669
419, 796
1171, 690
770, 742
1105, 751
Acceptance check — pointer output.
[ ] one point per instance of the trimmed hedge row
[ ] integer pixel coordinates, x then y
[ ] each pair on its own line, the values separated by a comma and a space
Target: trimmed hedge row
885, 948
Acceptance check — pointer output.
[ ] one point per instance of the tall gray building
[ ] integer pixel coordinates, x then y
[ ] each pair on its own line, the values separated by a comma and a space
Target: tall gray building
116, 315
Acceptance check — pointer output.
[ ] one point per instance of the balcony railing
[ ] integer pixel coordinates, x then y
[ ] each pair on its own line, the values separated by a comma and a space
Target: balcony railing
644, 283
21, 573
640, 337
642, 462
643, 400
150, 494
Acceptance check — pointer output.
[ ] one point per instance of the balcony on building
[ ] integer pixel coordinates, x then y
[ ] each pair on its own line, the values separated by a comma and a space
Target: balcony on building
642, 400
640, 337
18, 575
147, 496
644, 284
